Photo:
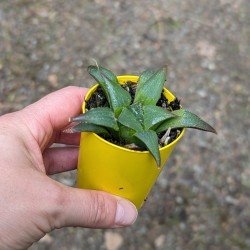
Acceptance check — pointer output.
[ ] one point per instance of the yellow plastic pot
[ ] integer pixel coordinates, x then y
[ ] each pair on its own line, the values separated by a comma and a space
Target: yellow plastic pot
117, 170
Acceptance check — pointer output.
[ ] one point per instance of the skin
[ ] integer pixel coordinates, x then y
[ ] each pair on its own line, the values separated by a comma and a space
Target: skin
31, 203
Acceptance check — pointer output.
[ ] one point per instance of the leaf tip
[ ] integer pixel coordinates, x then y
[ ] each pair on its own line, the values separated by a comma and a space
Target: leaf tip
158, 164
213, 130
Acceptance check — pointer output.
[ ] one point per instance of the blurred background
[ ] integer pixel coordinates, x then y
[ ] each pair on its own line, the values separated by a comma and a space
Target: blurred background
202, 198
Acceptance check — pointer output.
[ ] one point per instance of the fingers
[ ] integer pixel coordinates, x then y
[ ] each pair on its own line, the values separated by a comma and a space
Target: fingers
52, 112
57, 160
68, 138
60, 105
93, 209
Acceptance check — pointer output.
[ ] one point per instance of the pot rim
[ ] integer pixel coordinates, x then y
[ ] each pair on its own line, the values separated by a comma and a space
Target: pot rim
122, 80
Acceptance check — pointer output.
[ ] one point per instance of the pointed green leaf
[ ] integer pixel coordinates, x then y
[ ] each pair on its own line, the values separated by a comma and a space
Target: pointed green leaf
86, 127
98, 116
116, 95
145, 75
128, 119
185, 119
137, 110
102, 72
127, 134
150, 140
153, 115
150, 86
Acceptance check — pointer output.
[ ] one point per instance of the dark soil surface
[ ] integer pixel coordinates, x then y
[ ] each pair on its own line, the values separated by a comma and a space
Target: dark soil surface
202, 198
98, 99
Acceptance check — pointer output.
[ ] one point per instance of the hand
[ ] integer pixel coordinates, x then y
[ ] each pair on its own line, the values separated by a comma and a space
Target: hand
31, 203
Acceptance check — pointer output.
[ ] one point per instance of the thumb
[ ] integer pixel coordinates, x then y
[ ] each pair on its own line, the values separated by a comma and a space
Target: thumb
93, 209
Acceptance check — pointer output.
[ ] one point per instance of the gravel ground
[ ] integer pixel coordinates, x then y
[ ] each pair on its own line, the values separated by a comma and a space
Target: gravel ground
201, 200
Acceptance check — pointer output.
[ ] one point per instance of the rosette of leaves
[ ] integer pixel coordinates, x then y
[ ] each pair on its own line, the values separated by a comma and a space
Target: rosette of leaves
136, 120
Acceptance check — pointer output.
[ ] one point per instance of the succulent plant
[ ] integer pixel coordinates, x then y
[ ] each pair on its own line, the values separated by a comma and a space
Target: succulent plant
135, 120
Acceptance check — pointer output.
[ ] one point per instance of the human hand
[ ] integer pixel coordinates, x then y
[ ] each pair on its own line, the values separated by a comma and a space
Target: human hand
31, 203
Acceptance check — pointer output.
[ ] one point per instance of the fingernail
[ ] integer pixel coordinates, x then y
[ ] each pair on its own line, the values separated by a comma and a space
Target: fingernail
126, 213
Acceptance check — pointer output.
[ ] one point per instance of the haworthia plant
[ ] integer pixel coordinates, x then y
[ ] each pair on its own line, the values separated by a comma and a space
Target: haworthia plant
135, 120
